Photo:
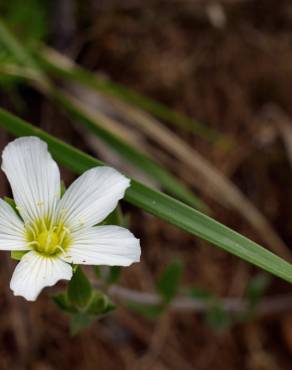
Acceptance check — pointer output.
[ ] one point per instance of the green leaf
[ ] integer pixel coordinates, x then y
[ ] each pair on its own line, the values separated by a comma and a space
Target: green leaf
19, 18
100, 304
130, 153
80, 321
17, 255
63, 302
133, 155
202, 294
114, 218
63, 188
15, 48
151, 312
61, 66
113, 275
168, 282
97, 272
256, 288
218, 318
12, 203
159, 204
79, 289
95, 124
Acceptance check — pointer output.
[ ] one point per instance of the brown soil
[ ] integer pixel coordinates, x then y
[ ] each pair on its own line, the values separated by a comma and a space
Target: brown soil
225, 76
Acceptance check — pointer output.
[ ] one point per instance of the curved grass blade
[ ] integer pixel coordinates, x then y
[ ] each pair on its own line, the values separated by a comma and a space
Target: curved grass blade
59, 65
139, 159
159, 204
93, 122
223, 190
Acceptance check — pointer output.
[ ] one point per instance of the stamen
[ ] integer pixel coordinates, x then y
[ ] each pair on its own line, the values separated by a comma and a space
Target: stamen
33, 242
63, 234
60, 248
44, 224
31, 229
47, 239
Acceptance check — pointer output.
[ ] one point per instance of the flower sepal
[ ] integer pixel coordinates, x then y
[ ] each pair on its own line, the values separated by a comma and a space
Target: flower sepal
17, 255
99, 306
12, 203
82, 303
79, 290
80, 318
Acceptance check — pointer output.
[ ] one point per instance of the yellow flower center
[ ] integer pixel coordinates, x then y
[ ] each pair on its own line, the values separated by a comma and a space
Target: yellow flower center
46, 239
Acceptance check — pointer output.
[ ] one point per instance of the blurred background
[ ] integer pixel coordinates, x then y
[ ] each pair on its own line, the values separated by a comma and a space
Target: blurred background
227, 66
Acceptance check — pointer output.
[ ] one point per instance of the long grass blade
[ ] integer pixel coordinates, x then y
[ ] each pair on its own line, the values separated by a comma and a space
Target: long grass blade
94, 122
159, 204
135, 156
63, 67
222, 190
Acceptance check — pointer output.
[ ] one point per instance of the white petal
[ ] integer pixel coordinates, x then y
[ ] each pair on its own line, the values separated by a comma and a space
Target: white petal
92, 197
33, 175
104, 245
12, 232
35, 272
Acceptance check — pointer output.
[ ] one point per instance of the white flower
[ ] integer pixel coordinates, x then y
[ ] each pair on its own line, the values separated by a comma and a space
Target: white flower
54, 231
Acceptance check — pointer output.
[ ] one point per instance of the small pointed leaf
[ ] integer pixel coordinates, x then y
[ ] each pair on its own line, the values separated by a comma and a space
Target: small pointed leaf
168, 283
79, 289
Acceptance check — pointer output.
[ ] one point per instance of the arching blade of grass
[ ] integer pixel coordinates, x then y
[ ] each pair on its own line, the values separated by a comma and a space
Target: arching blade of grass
8, 39
161, 205
222, 189
96, 122
133, 155
64, 67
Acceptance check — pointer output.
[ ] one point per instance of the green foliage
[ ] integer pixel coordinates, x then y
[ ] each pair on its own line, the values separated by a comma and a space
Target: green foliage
80, 321
97, 272
63, 302
169, 280
217, 317
17, 255
151, 312
114, 218
114, 273
108, 274
142, 161
12, 203
79, 289
130, 153
117, 217
134, 98
100, 304
256, 288
28, 20
63, 188
199, 293
159, 204
138, 194
82, 303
